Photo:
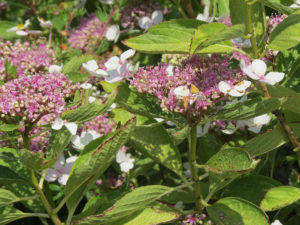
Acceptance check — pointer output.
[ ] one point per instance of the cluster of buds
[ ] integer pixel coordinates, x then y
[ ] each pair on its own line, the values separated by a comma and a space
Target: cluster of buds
32, 97
88, 34
28, 59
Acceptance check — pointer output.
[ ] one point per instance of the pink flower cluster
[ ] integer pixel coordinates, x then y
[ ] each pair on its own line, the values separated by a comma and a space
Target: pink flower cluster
88, 34
28, 59
32, 97
130, 14
273, 21
101, 124
194, 219
200, 74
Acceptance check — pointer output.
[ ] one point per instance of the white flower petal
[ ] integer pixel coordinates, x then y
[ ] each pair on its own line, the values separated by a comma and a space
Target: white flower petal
77, 143
182, 91
273, 78
12, 29
262, 120
277, 222
112, 63
126, 166
113, 33
121, 156
243, 85
126, 55
248, 70
69, 163
157, 16
108, 2
21, 33
258, 67
145, 22
72, 127
57, 124
170, 70
86, 86
91, 99
114, 76
255, 129
236, 93
224, 87
51, 175
27, 23
55, 69
63, 179
90, 66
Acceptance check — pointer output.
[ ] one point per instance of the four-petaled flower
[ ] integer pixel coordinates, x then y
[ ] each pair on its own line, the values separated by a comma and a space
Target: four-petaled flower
59, 123
257, 70
79, 142
255, 124
237, 90
60, 171
146, 22
124, 160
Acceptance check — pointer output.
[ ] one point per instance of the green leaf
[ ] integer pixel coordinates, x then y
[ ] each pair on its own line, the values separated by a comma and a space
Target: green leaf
210, 34
279, 197
4, 26
271, 140
223, 7
75, 63
247, 109
59, 140
167, 37
251, 188
90, 111
135, 201
238, 16
155, 142
13, 215
7, 197
77, 77
278, 6
30, 159
293, 98
231, 162
157, 214
9, 176
9, 127
229, 211
93, 161
286, 34
181, 135
143, 104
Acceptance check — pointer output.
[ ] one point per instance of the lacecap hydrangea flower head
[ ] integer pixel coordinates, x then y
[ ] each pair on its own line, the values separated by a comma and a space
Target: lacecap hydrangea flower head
190, 88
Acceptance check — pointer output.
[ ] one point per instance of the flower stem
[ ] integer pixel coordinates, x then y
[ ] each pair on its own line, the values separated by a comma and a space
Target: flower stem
53, 216
192, 161
249, 26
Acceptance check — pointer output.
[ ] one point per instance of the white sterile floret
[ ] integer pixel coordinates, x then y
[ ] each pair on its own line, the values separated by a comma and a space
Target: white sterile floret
276, 222
201, 131
79, 142
241, 43
182, 91
124, 160
108, 2
230, 129
257, 70
170, 70
19, 27
60, 171
296, 5
55, 69
145, 22
91, 99
255, 124
237, 90
59, 123
113, 33
86, 86
44, 24
92, 68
